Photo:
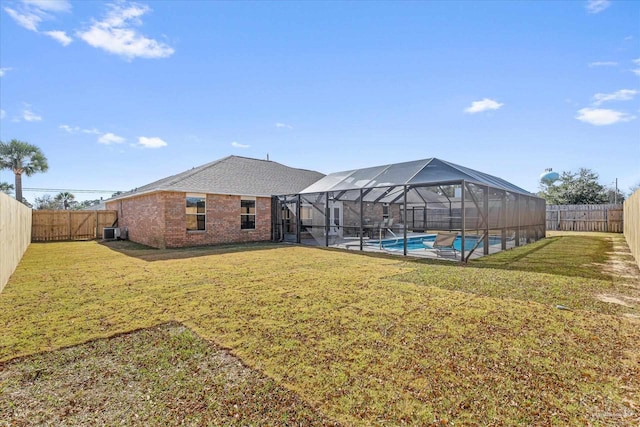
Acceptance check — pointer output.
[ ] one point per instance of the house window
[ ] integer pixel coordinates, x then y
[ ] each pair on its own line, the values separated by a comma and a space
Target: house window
305, 213
247, 213
196, 204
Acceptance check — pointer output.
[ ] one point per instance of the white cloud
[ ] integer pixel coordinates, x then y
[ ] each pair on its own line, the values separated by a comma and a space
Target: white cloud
283, 126
29, 115
77, 129
26, 19
637, 70
4, 70
238, 145
3, 114
115, 34
69, 128
621, 95
49, 5
603, 64
151, 142
110, 138
602, 117
59, 36
30, 13
483, 105
597, 6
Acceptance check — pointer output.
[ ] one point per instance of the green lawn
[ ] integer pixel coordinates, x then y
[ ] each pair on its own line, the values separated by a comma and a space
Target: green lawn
362, 339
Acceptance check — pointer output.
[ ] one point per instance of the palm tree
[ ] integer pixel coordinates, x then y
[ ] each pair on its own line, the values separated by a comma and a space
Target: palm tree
6, 188
64, 199
21, 157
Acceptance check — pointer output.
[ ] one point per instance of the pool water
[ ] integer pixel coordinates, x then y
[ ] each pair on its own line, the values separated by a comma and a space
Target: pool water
415, 243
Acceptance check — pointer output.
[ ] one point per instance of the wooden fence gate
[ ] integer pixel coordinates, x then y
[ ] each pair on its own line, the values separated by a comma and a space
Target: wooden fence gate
53, 225
608, 218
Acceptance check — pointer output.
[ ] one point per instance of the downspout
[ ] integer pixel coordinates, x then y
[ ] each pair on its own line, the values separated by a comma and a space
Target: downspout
274, 219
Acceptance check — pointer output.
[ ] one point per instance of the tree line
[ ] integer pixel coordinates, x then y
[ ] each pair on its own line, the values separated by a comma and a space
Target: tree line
582, 188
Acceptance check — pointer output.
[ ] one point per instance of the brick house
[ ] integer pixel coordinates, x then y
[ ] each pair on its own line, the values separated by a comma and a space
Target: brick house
225, 201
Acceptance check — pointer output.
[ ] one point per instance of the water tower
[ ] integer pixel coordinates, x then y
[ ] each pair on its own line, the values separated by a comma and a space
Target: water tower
548, 177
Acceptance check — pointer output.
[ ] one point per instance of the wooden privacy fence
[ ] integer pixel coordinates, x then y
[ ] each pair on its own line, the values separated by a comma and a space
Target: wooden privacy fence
70, 225
608, 218
15, 235
632, 224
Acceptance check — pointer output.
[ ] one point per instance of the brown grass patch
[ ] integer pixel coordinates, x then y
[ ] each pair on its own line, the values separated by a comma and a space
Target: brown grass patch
164, 375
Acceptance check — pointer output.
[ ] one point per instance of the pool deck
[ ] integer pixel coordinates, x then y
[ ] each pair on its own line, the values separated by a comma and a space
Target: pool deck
368, 245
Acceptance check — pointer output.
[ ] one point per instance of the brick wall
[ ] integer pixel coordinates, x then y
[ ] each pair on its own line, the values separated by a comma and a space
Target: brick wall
141, 215
144, 218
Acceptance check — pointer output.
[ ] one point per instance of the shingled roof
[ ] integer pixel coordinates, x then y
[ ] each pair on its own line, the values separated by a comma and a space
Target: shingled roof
234, 175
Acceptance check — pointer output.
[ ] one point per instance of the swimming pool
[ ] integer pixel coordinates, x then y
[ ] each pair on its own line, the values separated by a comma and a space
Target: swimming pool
414, 243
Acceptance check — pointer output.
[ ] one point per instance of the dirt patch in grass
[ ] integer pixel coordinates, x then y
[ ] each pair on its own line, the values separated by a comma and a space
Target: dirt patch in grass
165, 375
613, 300
625, 276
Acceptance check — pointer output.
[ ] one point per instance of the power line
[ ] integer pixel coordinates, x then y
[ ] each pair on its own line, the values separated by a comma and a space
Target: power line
50, 190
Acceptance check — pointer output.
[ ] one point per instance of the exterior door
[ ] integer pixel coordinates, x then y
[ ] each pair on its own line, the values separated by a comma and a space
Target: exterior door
335, 218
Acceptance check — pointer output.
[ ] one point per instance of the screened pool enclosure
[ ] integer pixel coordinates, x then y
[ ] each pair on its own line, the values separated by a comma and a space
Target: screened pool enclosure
406, 208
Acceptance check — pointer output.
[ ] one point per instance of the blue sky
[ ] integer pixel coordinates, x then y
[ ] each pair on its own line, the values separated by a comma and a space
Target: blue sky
119, 94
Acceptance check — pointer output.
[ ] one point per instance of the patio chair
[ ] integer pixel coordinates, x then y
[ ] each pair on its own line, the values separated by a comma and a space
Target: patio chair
375, 230
443, 244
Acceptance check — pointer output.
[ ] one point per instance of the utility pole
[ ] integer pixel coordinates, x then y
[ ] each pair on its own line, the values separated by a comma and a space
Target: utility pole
615, 195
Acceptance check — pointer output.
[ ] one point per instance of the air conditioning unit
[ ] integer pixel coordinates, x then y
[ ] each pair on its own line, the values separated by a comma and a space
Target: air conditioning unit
110, 233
